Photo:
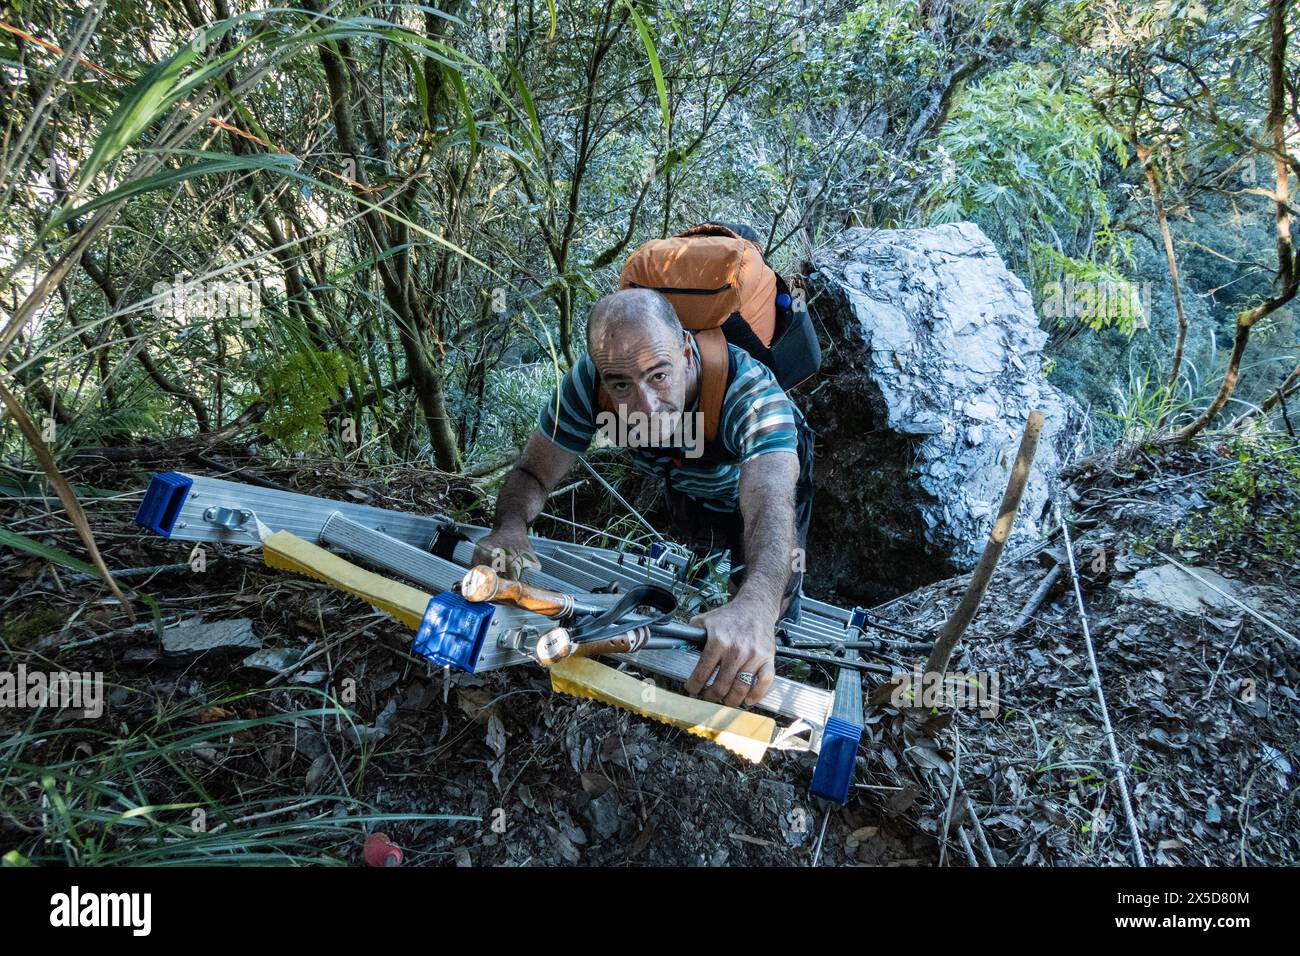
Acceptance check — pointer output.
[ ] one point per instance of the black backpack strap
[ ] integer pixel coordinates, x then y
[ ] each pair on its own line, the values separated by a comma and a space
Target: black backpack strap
741, 334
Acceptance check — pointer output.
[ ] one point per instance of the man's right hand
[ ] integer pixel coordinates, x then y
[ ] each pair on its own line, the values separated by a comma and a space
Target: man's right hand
539, 469
507, 553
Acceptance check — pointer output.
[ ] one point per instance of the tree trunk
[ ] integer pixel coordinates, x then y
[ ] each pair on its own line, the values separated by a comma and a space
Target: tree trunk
1288, 274
1157, 197
424, 375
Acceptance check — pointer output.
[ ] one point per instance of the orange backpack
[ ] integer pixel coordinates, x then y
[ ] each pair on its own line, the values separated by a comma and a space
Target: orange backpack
724, 291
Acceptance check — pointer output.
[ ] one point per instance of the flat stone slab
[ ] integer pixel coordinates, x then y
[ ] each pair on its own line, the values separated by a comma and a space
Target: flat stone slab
196, 637
1171, 587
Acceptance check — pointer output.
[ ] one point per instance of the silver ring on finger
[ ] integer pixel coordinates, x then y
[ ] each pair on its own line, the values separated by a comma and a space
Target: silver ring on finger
745, 678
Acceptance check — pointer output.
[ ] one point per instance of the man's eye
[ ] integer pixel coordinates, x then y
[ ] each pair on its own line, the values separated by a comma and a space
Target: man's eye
660, 377
618, 387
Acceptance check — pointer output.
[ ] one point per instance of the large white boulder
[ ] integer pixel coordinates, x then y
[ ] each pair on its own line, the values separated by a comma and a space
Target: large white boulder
933, 363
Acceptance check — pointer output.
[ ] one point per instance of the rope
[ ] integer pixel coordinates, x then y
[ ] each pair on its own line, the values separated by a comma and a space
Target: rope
1101, 696
621, 500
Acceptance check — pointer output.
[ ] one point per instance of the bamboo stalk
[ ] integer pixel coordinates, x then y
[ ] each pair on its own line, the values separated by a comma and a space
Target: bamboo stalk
956, 625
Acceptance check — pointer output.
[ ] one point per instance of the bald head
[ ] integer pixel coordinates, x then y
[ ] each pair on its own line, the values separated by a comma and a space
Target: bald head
631, 313
640, 352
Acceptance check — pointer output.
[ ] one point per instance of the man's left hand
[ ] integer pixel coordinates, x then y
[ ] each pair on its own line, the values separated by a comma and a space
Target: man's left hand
742, 641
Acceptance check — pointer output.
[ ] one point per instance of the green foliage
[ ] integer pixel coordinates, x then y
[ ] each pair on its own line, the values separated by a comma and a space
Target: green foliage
156, 91
1094, 294
298, 389
1021, 155
528, 149
80, 794
47, 552
507, 414
1256, 502
708, 580
115, 423
1145, 405
877, 48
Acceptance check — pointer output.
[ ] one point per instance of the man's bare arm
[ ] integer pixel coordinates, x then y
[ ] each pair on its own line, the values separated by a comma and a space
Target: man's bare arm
521, 499
767, 485
742, 633
534, 476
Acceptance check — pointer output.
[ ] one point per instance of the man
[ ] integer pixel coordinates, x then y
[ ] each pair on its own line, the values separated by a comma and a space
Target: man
753, 497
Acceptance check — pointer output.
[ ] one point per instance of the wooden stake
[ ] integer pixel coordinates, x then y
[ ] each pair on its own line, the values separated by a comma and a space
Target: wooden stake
955, 626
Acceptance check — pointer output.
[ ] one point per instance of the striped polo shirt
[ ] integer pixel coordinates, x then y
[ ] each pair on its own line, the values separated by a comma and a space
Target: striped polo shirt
757, 418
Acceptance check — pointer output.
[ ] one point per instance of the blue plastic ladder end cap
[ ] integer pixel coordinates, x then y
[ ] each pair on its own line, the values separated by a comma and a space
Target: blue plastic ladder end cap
163, 501
834, 772
453, 631
858, 618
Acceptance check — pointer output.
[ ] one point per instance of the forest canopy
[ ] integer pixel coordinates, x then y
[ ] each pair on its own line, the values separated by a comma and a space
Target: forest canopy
374, 229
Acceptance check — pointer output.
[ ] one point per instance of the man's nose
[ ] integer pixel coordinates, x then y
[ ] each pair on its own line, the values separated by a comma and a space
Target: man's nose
647, 401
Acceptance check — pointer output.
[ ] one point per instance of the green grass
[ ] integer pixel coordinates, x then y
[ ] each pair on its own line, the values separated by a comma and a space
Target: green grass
1147, 406
179, 790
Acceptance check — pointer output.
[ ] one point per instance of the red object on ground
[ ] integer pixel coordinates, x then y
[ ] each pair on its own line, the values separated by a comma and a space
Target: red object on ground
381, 851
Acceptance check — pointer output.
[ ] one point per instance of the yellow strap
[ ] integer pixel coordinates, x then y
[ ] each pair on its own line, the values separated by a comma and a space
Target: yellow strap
739, 731
291, 553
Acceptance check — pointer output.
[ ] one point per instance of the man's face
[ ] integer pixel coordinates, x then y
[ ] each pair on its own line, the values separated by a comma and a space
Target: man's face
643, 368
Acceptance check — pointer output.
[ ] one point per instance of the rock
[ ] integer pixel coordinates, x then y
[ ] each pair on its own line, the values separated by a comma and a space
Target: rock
603, 814
1171, 587
274, 659
282, 659
195, 637
933, 363
564, 845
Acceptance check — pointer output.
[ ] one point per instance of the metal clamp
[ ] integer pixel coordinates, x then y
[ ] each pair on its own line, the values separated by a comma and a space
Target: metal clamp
232, 519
